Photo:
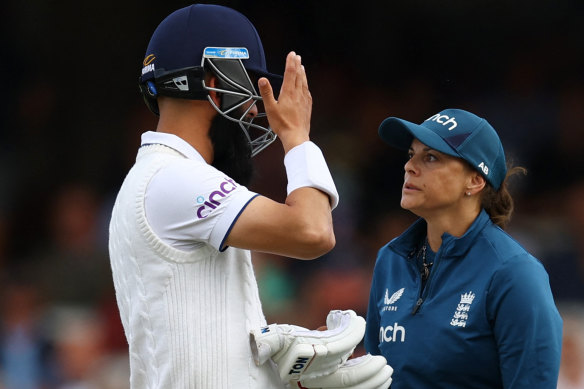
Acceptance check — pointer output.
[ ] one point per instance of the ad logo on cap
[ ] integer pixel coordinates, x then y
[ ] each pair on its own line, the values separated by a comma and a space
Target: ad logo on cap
444, 120
148, 65
226, 52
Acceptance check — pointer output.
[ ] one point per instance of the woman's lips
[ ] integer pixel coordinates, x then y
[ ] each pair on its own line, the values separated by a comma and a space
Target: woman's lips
410, 186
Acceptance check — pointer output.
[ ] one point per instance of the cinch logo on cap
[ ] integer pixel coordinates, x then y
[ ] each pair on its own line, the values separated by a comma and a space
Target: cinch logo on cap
444, 120
226, 52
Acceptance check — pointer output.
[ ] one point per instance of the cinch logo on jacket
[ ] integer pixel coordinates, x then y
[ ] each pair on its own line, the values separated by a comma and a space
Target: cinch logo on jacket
390, 333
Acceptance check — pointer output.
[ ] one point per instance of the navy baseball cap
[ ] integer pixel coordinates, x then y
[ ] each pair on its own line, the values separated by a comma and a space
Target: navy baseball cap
180, 39
454, 132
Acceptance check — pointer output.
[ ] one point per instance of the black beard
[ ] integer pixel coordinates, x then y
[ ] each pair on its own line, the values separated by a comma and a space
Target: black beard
232, 152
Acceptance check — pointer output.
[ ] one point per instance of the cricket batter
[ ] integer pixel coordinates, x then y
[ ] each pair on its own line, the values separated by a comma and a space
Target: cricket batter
184, 222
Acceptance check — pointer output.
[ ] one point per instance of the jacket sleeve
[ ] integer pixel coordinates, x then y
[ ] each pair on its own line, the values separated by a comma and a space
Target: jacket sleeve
526, 324
371, 338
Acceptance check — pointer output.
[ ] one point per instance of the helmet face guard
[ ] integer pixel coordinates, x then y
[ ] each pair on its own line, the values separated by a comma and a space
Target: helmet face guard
238, 95
234, 84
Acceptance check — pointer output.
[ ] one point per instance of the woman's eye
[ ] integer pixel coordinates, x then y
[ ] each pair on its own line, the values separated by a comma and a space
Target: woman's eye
431, 158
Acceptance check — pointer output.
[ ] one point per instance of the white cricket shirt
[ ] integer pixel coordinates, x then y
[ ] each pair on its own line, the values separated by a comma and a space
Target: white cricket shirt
187, 303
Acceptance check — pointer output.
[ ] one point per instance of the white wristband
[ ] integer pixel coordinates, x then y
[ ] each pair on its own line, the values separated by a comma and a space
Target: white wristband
305, 166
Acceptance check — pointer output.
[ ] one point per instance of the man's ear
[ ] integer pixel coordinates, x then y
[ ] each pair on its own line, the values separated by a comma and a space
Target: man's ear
213, 82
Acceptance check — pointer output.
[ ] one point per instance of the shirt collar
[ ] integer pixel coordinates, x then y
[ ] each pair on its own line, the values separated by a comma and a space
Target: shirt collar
172, 141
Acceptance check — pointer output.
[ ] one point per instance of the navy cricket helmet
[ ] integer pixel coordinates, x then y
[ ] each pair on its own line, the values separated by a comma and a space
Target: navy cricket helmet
202, 38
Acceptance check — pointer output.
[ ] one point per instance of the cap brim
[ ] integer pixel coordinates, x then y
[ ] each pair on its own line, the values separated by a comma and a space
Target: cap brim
400, 133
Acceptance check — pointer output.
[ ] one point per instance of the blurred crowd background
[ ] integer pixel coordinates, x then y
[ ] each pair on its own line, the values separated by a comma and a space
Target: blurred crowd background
71, 119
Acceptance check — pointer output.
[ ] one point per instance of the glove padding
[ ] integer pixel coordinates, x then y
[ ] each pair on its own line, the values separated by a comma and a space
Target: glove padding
301, 353
366, 372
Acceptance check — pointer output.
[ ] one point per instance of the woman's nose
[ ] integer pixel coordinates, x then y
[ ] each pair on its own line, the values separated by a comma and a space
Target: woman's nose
410, 166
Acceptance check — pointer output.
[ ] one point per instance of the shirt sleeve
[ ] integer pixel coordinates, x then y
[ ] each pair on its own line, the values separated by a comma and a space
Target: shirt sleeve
189, 203
526, 324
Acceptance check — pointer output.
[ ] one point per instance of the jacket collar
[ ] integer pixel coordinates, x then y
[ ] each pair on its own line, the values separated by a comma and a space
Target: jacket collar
408, 243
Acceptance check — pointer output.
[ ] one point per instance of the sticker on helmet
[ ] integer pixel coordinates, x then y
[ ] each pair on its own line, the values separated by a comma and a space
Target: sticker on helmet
226, 52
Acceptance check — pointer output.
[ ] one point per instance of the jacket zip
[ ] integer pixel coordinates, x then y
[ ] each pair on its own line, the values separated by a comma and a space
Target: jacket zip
418, 305
424, 292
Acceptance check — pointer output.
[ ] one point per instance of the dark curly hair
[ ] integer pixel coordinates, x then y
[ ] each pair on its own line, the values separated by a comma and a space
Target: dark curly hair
499, 203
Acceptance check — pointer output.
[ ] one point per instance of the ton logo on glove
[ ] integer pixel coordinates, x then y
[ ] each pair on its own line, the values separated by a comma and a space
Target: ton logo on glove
299, 365
315, 359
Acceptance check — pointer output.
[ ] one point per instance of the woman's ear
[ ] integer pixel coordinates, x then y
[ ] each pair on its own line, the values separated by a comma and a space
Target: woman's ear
476, 183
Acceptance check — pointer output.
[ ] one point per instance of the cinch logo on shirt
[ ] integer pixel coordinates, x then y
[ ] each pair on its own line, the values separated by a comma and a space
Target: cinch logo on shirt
212, 202
444, 120
390, 333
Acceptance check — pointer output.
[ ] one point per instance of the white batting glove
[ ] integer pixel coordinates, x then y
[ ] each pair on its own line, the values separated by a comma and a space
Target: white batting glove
366, 372
301, 353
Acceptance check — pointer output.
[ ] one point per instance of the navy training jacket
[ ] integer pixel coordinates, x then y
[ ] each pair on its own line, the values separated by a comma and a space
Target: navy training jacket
485, 319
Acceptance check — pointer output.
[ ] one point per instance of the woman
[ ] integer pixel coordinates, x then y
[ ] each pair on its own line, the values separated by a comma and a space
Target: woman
456, 302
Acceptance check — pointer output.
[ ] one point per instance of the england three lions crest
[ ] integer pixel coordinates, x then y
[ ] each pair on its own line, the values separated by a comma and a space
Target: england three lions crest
461, 314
